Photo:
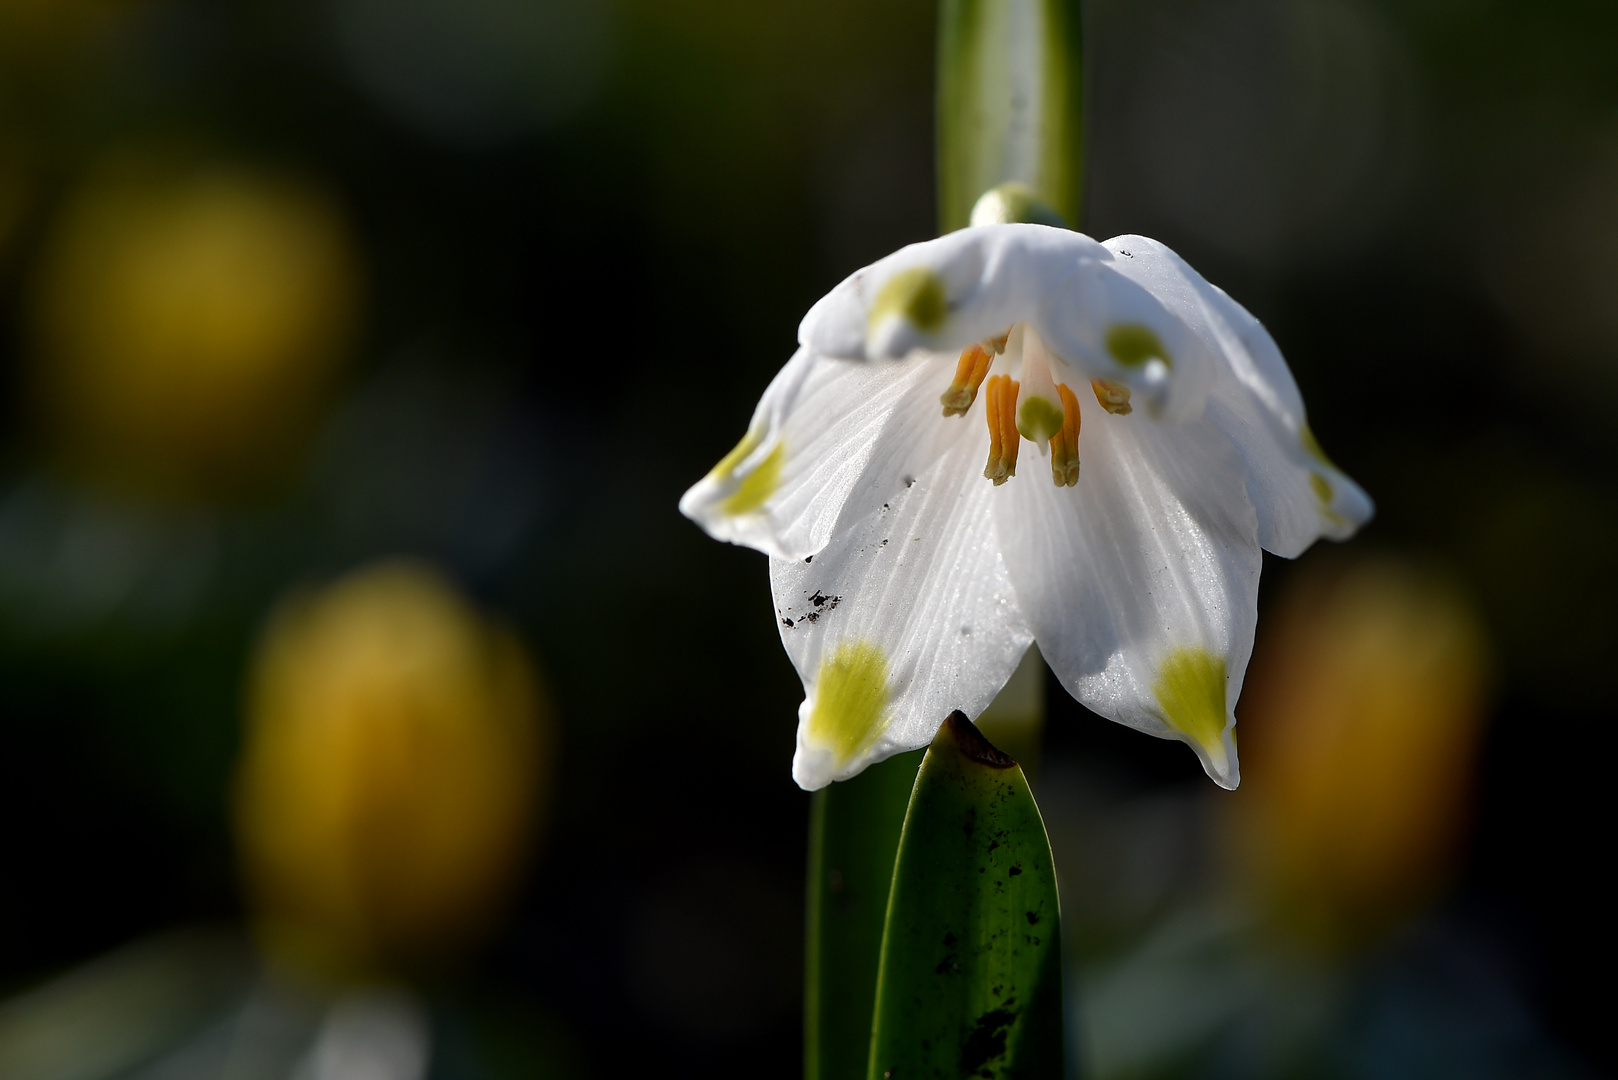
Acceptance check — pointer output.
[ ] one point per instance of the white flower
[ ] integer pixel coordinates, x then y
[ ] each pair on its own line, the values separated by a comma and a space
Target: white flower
909, 578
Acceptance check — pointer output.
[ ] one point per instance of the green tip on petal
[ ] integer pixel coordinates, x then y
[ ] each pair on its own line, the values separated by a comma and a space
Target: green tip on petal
916, 295
1321, 487
851, 699
1131, 345
1190, 691
738, 453
1014, 202
757, 486
1311, 446
1038, 419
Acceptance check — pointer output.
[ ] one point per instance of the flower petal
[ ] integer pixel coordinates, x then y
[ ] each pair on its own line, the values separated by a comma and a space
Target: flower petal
944, 294
1141, 581
973, 284
901, 619
830, 442
1115, 329
1298, 493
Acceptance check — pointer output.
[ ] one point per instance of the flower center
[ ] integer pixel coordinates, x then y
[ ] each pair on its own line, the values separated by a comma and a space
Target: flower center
1036, 408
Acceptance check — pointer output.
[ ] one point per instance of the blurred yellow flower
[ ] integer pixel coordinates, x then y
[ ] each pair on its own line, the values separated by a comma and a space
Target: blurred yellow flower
1362, 716
15, 188
28, 25
187, 322
397, 748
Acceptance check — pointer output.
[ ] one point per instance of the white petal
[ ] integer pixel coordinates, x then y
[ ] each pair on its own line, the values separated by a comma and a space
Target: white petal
901, 619
992, 276
1084, 316
830, 442
1299, 494
973, 284
1143, 576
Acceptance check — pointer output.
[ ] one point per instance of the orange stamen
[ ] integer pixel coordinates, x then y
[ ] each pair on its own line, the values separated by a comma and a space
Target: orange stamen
1008, 424
1065, 443
1114, 397
1000, 410
969, 373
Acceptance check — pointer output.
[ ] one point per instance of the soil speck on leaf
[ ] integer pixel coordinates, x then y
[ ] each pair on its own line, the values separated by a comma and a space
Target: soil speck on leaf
987, 1041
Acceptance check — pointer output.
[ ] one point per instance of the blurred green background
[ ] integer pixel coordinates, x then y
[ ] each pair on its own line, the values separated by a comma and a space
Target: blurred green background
291, 292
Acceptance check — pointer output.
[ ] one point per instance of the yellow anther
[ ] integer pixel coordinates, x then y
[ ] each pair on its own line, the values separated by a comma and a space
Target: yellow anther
997, 344
969, 373
1000, 409
1114, 397
1065, 443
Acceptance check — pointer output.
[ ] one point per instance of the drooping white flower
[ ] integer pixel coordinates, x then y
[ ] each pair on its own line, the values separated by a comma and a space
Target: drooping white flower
909, 576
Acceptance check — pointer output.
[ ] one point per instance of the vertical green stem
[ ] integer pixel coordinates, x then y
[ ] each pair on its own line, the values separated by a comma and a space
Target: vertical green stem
853, 840
1010, 101
1010, 98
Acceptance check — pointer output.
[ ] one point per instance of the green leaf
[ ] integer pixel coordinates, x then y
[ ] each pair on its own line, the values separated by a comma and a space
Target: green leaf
970, 983
1010, 103
853, 838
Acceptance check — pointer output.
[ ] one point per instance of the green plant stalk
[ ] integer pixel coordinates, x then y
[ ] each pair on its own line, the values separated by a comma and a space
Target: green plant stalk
854, 829
970, 982
1010, 103
1010, 97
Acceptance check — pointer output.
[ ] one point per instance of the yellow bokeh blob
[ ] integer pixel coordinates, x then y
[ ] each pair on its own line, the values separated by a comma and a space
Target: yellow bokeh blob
29, 26
1360, 724
397, 747
188, 322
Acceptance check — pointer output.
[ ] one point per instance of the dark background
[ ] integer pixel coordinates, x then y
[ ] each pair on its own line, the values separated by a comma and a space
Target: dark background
575, 286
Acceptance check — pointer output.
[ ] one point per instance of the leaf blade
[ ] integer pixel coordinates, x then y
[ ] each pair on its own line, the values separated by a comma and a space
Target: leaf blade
970, 976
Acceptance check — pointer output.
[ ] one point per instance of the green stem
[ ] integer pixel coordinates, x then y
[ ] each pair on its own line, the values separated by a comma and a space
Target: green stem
853, 840
1010, 104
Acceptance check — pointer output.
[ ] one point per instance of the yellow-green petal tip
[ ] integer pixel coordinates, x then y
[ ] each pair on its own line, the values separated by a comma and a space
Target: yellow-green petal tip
1190, 690
851, 700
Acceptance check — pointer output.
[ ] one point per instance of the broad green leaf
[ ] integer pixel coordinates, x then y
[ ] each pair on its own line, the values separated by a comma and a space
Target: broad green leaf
1010, 99
970, 982
853, 837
